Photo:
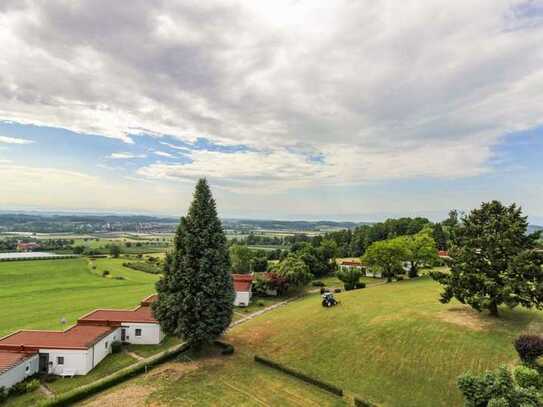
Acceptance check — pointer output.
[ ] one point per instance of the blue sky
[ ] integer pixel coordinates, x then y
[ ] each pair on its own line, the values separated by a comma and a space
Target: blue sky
295, 110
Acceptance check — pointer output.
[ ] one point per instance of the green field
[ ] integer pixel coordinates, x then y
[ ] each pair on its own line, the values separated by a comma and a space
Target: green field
37, 294
394, 343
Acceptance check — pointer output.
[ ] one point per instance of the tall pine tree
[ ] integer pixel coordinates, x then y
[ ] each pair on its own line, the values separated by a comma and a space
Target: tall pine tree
196, 295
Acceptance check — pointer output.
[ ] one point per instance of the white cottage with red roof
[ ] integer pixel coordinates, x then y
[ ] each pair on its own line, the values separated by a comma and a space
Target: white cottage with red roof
137, 326
16, 367
243, 284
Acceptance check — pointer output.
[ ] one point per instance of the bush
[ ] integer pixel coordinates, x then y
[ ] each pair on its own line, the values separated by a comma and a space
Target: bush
32, 384
527, 377
337, 290
360, 285
105, 273
3, 394
226, 348
318, 283
260, 303
302, 376
529, 348
116, 347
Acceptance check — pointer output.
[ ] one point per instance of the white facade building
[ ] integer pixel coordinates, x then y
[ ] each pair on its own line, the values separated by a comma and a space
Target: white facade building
16, 367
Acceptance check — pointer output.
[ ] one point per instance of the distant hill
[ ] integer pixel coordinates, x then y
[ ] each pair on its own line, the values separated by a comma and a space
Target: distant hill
288, 225
534, 228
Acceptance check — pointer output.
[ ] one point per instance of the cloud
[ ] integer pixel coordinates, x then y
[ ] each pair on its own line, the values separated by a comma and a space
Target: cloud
13, 140
163, 154
126, 156
385, 90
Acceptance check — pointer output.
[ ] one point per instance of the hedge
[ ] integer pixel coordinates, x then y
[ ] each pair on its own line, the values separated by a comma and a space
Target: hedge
302, 376
120, 376
363, 403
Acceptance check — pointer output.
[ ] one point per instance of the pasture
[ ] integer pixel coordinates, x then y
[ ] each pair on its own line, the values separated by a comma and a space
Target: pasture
37, 294
402, 347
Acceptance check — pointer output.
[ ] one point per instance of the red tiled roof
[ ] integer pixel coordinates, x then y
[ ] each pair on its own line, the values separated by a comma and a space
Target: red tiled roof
350, 263
10, 359
443, 253
242, 286
243, 277
76, 337
113, 317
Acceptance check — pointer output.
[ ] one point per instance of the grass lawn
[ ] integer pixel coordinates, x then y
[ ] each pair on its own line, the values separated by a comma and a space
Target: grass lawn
146, 351
39, 293
109, 365
395, 344
215, 380
333, 282
26, 400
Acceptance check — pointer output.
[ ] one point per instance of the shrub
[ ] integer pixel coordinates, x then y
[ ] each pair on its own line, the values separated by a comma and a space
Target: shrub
105, 273
116, 347
260, 303
529, 347
3, 394
350, 277
302, 376
360, 285
527, 377
337, 290
32, 385
318, 283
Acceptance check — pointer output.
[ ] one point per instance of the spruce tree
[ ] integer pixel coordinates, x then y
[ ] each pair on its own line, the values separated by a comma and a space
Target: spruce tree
196, 295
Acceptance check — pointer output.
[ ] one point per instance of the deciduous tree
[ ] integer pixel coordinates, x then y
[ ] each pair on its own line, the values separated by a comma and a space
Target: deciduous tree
388, 255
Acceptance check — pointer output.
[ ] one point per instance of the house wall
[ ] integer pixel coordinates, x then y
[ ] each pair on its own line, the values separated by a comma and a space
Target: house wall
243, 298
151, 334
80, 362
19, 372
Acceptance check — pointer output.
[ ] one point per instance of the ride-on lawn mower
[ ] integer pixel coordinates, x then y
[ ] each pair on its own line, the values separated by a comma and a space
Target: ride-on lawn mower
328, 300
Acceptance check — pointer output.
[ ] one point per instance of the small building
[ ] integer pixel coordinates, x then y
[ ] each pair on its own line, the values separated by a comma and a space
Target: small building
137, 326
352, 263
27, 247
243, 284
75, 351
16, 367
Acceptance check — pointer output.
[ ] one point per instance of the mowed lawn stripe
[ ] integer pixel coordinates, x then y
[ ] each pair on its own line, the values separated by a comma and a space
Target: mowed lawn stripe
37, 294
395, 344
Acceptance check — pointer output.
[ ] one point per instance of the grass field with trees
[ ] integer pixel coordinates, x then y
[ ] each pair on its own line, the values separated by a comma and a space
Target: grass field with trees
39, 293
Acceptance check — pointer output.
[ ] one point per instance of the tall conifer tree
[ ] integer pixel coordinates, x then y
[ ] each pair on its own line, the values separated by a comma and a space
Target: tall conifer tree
195, 296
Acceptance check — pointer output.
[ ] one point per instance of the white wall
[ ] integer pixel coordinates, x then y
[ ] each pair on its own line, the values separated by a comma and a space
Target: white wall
19, 372
151, 334
80, 362
243, 298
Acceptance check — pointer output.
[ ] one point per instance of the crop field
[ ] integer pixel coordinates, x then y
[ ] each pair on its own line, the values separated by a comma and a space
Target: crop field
402, 347
37, 294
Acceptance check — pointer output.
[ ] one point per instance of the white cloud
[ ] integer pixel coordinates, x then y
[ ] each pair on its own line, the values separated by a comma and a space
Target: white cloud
163, 154
14, 140
125, 156
381, 90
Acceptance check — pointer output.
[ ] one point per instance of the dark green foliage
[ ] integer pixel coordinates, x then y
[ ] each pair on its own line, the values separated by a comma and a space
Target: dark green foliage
439, 237
350, 277
196, 295
529, 348
295, 271
308, 379
495, 389
115, 251
146, 267
317, 283
493, 261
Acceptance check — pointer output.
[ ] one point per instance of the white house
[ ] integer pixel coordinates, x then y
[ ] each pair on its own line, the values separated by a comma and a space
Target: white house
243, 284
16, 366
75, 351
137, 326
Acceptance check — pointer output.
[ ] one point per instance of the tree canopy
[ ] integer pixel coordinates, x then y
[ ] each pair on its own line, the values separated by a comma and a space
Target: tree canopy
493, 261
388, 256
420, 249
195, 296
295, 270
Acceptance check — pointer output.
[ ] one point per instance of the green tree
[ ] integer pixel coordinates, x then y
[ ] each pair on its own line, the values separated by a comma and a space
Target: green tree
387, 255
115, 251
195, 296
350, 277
493, 261
240, 256
439, 237
294, 269
420, 249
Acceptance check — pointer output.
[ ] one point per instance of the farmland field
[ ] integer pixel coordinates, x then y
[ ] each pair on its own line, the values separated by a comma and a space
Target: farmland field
402, 347
37, 294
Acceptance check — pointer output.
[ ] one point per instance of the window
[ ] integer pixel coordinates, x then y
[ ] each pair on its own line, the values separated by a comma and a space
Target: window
60, 360
138, 332
107, 344
27, 368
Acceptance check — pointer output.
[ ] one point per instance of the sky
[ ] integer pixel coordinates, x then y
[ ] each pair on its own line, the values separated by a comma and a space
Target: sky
346, 110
